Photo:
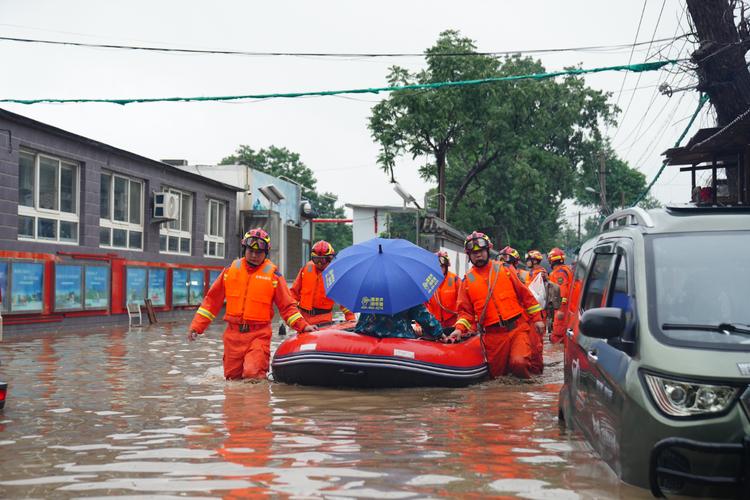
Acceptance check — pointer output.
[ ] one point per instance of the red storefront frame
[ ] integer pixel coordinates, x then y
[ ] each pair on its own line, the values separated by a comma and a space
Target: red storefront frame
117, 284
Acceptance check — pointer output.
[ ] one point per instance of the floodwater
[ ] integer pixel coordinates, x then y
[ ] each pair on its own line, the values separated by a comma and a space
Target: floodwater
127, 414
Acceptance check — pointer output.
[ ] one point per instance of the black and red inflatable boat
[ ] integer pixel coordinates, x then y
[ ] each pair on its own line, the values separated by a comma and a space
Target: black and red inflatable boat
337, 357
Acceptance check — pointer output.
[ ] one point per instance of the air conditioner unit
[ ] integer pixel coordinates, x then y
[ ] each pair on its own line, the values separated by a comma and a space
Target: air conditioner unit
166, 206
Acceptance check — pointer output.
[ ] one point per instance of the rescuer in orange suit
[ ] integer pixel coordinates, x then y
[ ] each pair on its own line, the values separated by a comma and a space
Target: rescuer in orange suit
563, 276
308, 289
251, 285
442, 304
503, 306
534, 265
511, 257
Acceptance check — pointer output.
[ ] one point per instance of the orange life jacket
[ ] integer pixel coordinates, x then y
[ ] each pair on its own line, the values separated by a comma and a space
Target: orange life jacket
534, 272
563, 276
313, 292
442, 304
250, 292
504, 302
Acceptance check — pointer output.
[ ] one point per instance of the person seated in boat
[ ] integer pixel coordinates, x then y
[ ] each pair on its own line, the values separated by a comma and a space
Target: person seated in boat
399, 325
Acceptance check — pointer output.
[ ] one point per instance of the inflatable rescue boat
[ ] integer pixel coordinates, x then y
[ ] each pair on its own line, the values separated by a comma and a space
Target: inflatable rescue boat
338, 357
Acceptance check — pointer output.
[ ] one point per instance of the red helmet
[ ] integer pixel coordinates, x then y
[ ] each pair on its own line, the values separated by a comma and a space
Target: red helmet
477, 241
257, 239
534, 255
511, 253
556, 255
322, 249
443, 258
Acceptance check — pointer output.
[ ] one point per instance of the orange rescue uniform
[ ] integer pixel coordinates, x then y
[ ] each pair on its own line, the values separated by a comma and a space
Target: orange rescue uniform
443, 303
250, 292
310, 293
506, 319
563, 276
533, 272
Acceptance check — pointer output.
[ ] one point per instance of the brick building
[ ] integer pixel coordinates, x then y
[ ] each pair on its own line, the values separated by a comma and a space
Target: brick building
87, 228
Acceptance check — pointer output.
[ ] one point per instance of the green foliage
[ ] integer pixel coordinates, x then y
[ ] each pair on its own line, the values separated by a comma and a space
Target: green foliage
623, 183
511, 149
280, 162
402, 225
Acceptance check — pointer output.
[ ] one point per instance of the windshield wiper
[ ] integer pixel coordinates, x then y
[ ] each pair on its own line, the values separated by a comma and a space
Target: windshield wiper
721, 327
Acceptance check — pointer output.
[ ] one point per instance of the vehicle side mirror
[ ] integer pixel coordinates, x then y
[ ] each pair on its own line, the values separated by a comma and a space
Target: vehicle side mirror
603, 322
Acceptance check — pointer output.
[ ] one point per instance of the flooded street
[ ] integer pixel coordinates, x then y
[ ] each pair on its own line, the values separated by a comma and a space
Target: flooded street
121, 413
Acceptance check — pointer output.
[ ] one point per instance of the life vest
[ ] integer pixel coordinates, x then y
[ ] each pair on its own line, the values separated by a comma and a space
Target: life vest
250, 292
313, 292
523, 275
530, 275
442, 304
503, 305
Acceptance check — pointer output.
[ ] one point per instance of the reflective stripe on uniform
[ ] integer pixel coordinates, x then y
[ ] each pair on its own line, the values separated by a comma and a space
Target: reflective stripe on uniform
465, 323
206, 313
534, 309
293, 318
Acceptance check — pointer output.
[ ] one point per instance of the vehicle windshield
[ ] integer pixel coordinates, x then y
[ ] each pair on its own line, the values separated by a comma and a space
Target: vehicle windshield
702, 280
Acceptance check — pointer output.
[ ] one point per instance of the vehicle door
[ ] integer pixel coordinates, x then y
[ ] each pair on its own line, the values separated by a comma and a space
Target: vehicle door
583, 380
581, 267
608, 360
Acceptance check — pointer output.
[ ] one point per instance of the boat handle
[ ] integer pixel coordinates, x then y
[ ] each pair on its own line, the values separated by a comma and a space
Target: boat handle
351, 371
592, 355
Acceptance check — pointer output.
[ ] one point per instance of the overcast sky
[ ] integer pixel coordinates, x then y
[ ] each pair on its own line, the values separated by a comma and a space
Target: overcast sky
330, 133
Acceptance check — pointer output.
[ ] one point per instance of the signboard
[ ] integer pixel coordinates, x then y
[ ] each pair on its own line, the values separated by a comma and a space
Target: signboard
197, 284
135, 285
4, 297
212, 275
157, 286
179, 287
68, 289
26, 280
96, 291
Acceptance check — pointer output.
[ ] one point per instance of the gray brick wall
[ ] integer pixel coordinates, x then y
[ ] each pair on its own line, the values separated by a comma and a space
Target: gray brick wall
94, 157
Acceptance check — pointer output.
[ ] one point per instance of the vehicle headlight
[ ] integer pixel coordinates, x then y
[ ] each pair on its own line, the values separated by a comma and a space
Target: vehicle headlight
678, 398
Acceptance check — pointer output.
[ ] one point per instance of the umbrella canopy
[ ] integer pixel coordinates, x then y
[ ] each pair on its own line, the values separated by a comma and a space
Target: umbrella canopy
382, 276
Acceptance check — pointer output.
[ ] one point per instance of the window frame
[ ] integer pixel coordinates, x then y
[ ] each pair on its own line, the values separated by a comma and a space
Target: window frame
216, 239
168, 232
111, 223
57, 215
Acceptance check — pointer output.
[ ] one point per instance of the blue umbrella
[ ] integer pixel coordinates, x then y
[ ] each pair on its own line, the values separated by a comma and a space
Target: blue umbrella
382, 276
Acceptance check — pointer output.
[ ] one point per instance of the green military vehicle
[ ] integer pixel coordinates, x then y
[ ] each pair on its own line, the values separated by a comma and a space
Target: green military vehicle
657, 354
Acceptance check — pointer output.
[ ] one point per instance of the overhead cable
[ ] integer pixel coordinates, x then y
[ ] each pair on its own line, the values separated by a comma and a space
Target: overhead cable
651, 66
329, 54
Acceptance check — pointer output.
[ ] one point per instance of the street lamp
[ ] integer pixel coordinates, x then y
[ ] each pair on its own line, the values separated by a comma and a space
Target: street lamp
408, 198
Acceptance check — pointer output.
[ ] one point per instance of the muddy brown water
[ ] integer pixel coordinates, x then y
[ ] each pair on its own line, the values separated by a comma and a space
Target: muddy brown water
142, 413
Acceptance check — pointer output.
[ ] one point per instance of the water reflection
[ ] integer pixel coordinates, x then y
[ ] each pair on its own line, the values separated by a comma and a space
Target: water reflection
130, 413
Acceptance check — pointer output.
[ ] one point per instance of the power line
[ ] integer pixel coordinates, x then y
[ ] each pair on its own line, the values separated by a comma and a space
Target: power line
653, 35
652, 66
630, 59
331, 54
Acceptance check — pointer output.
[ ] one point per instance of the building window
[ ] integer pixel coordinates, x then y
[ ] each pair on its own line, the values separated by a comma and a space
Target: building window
120, 212
213, 240
175, 236
47, 198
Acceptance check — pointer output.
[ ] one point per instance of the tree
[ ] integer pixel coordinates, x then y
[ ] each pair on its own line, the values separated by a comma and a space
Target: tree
623, 183
720, 58
280, 162
510, 150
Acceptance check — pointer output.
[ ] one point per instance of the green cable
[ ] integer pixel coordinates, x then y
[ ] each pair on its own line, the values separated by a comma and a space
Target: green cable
701, 102
637, 68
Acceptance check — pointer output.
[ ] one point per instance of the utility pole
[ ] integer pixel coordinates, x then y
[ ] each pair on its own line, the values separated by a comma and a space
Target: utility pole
579, 228
603, 184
